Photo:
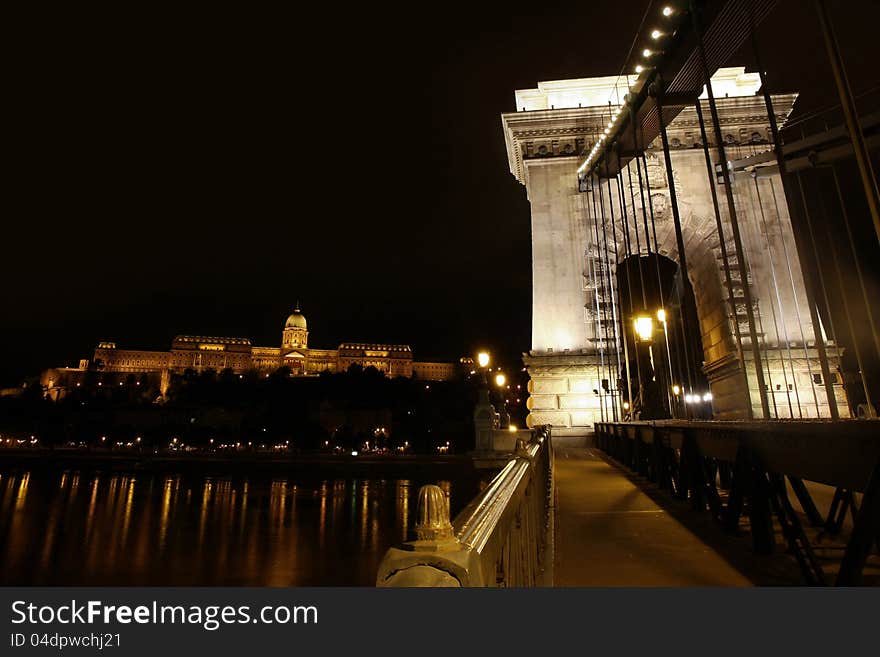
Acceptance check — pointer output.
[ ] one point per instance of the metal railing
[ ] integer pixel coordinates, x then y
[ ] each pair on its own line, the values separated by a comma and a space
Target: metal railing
735, 469
502, 538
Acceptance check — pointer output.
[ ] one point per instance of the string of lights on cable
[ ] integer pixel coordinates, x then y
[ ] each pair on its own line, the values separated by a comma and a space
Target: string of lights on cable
669, 17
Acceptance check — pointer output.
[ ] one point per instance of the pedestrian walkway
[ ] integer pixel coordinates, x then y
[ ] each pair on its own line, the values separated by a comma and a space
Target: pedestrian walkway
609, 532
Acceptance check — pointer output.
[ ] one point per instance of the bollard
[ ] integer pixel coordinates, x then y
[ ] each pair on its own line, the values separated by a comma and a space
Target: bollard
433, 515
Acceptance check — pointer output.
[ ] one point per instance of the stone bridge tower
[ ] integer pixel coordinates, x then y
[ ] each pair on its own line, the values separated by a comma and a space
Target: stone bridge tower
545, 138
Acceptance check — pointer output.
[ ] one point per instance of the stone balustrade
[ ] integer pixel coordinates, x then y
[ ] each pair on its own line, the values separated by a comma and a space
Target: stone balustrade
502, 538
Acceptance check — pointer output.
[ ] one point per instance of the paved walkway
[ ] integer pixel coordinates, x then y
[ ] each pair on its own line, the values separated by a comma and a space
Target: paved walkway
611, 533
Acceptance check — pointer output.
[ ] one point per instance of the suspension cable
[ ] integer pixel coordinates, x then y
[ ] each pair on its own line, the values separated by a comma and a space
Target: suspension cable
759, 316
855, 257
589, 262
615, 331
797, 305
621, 199
737, 241
776, 289
800, 250
779, 305
673, 405
679, 239
618, 325
832, 247
819, 339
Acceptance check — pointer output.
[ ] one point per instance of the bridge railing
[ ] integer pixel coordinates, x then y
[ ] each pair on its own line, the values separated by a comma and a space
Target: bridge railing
733, 469
501, 538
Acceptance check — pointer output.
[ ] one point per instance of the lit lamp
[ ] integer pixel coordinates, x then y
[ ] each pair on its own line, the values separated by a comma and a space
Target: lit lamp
644, 328
500, 380
676, 390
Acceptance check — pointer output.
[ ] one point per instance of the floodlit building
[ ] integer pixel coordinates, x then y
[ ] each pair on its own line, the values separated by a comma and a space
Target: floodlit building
202, 352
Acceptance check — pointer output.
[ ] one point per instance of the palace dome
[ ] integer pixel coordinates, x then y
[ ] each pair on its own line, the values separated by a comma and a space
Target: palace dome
296, 320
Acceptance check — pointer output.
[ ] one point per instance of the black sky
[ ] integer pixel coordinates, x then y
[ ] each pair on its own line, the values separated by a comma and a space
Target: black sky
200, 172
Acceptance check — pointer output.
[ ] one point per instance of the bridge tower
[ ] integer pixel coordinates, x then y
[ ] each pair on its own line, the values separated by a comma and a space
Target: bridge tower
568, 362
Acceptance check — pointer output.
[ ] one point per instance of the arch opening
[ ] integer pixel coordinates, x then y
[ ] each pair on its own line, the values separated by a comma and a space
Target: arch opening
658, 320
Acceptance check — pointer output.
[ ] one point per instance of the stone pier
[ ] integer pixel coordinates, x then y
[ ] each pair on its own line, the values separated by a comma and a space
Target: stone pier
552, 126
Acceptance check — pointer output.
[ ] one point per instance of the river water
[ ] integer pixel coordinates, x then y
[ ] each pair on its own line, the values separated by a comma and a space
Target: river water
81, 527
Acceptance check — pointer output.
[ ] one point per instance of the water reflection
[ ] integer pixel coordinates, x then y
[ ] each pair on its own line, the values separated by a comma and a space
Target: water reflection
93, 528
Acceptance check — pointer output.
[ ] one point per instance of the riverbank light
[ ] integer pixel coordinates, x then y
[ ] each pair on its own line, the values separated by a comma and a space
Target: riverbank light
644, 327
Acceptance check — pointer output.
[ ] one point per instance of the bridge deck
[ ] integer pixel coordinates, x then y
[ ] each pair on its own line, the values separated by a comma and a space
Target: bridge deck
612, 532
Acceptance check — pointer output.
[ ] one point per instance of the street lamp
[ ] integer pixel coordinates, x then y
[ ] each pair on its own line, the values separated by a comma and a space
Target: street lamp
483, 362
503, 417
644, 327
661, 317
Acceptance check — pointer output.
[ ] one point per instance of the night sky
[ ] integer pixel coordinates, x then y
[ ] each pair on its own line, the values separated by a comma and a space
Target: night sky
202, 172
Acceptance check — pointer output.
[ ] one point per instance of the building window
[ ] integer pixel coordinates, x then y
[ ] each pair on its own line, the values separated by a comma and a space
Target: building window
817, 379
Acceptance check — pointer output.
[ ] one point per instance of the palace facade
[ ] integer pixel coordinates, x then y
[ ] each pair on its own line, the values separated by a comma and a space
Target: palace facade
201, 352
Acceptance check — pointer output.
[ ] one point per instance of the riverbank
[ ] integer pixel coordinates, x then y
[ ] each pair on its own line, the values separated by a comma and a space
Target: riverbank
372, 465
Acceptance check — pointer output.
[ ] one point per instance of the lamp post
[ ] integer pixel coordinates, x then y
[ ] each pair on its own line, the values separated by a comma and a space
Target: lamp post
484, 413
661, 317
483, 362
504, 418
643, 326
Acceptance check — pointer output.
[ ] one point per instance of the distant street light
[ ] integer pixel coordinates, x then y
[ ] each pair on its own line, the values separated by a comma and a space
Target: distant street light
500, 380
483, 359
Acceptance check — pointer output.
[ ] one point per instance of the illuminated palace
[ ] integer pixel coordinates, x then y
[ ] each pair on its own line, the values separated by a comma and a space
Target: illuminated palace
199, 352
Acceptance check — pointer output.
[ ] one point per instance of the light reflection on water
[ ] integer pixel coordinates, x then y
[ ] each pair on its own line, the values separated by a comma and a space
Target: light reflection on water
93, 528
